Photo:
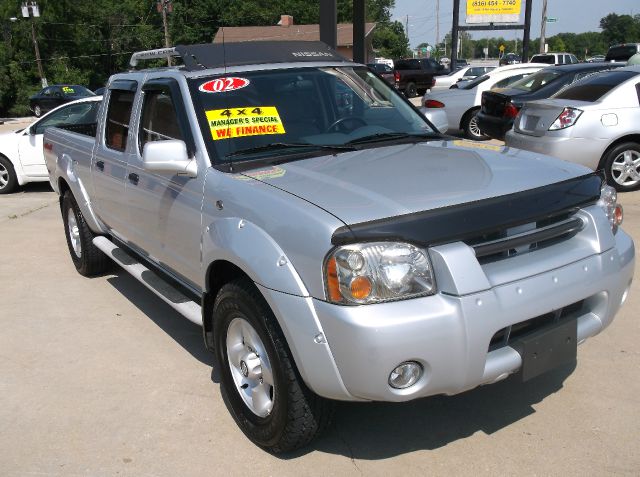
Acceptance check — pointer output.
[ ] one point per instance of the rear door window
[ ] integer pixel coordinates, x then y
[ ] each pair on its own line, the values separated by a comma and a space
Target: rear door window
595, 87
118, 118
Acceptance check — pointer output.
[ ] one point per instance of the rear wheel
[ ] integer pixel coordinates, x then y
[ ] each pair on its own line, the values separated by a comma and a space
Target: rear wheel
37, 111
259, 382
8, 178
87, 258
622, 166
471, 128
411, 90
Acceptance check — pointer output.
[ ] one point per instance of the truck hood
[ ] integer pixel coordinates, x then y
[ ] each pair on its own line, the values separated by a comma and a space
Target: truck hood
370, 184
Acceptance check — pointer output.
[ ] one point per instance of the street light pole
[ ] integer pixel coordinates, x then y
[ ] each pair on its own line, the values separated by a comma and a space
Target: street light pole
165, 6
543, 27
31, 10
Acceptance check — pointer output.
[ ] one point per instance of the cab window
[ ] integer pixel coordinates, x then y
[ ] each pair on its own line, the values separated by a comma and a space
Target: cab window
159, 119
118, 117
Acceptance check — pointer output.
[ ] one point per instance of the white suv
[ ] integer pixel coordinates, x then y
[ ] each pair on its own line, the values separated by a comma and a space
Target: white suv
555, 58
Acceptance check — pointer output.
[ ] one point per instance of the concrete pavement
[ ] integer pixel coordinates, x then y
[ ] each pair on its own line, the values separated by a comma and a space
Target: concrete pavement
98, 377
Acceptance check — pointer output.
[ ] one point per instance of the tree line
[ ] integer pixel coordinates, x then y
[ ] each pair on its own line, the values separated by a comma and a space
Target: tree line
85, 42
615, 29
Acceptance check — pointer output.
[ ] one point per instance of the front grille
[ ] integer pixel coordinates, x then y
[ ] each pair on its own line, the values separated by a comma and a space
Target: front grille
506, 336
506, 243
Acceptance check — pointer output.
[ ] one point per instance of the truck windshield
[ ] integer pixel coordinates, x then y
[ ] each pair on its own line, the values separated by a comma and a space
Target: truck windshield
270, 113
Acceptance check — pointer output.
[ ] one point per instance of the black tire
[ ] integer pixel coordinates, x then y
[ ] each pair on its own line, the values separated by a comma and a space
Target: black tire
87, 258
470, 126
297, 415
37, 110
614, 163
8, 178
410, 91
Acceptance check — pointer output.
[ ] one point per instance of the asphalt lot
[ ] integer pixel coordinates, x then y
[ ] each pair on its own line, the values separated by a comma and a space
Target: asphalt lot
100, 378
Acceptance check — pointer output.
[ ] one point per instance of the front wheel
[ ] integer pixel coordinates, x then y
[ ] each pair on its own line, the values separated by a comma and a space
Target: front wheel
471, 128
37, 111
87, 258
8, 178
622, 166
259, 382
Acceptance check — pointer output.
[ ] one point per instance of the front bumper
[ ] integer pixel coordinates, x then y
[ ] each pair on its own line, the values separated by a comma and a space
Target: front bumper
584, 151
450, 333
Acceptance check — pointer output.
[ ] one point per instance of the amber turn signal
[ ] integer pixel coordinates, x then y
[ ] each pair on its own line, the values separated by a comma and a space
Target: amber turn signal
333, 287
360, 288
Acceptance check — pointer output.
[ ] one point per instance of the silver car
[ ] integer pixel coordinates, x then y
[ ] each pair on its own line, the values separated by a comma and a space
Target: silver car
595, 122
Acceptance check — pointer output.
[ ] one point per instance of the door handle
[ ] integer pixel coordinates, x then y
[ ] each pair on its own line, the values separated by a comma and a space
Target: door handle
100, 165
134, 178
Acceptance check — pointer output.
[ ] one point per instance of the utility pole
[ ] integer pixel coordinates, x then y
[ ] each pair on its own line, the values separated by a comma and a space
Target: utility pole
164, 7
543, 27
406, 29
30, 9
437, 23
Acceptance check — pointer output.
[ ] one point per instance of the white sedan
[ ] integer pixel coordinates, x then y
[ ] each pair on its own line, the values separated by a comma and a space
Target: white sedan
462, 104
463, 74
21, 155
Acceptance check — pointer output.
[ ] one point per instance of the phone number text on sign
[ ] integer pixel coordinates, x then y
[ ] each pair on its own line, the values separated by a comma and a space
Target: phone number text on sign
493, 7
244, 121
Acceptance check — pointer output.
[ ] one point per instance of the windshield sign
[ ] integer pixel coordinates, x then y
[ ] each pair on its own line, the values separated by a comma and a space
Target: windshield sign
303, 111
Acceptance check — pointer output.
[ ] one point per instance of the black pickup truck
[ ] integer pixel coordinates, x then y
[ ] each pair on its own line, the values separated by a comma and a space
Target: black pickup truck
415, 76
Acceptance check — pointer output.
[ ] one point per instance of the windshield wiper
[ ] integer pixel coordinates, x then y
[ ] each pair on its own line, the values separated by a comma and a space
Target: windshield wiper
379, 137
291, 145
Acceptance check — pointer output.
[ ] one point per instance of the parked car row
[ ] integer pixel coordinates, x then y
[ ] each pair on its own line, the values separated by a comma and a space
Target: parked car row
462, 104
595, 122
500, 106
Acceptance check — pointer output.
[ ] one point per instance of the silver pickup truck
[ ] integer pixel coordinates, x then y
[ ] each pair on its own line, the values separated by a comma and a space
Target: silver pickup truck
330, 242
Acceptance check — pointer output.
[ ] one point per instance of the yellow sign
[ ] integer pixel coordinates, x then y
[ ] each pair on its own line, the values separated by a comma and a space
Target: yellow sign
494, 7
501, 48
244, 121
478, 145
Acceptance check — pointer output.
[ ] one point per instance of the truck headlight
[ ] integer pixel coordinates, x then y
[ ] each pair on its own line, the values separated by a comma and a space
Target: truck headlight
376, 272
609, 203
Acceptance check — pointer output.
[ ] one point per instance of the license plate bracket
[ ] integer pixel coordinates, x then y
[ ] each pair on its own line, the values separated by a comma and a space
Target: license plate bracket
547, 348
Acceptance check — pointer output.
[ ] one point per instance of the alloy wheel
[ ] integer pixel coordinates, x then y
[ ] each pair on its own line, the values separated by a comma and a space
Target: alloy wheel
250, 367
625, 168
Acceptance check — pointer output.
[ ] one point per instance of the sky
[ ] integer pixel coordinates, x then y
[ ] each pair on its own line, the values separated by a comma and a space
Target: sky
574, 16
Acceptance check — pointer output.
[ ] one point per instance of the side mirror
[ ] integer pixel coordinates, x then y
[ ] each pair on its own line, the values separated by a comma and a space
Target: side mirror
168, 157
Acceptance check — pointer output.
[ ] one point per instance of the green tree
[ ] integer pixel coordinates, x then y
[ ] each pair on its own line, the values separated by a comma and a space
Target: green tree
620, 28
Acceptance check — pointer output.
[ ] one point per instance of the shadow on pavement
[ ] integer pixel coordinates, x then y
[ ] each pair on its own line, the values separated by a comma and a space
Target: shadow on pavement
373, 431
35, 188
186, 334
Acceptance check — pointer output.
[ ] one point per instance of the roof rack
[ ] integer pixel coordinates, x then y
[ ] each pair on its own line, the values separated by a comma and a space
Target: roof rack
152, 55
219, 55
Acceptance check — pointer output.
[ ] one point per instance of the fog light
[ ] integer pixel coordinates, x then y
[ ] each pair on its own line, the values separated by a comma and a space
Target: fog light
405, 375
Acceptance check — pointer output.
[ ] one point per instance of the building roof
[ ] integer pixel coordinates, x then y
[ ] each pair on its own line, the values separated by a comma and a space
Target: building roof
287, 33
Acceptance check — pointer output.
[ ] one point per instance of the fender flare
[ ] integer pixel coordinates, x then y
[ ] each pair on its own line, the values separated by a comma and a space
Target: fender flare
254, 251
65, 174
